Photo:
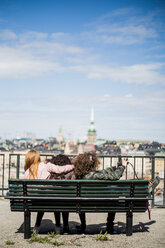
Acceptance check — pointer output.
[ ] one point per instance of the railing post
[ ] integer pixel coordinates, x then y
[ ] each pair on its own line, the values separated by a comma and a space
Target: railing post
9, 164
153, 176
164, 186
18, 165
142, 168
3, 175
103, 162
134, 167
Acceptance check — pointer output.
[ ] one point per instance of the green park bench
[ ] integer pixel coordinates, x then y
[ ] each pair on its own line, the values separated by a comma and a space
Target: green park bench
91, 196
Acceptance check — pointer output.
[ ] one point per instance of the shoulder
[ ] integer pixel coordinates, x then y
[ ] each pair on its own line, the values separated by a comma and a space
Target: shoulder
26, 175
42, 164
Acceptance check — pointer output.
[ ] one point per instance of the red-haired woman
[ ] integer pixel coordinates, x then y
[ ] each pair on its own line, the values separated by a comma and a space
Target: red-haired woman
35, 169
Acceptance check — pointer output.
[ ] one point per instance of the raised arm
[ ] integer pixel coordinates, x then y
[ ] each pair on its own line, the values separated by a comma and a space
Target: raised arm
52, 168
108, 174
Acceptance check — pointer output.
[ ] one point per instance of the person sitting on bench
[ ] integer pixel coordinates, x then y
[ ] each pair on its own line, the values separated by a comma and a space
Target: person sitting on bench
61, 160
86, 168
35, 169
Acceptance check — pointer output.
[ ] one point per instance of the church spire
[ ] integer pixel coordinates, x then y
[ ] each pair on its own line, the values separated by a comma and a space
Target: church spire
92, 115
92, 130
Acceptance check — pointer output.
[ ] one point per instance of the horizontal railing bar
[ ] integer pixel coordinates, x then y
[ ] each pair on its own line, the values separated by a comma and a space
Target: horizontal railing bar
100, 156
78, 198
61, 181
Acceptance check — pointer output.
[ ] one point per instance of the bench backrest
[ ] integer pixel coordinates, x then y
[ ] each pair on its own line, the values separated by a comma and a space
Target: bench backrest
78, 195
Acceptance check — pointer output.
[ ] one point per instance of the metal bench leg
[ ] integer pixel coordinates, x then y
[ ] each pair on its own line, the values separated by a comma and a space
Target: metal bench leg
27, 224
129, 223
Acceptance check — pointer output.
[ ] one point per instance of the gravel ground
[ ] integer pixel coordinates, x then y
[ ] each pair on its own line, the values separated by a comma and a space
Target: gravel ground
147, 233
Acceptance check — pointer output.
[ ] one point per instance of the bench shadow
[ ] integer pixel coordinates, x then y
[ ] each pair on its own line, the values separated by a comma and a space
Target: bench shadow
120, 227
90, 229
47, 226
20, 229
143, 227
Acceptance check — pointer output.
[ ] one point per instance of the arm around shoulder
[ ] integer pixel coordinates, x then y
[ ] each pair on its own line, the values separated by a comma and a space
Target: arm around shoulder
52, 168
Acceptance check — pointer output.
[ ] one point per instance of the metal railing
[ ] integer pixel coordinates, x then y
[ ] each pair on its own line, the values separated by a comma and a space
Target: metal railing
145, 167
2, 186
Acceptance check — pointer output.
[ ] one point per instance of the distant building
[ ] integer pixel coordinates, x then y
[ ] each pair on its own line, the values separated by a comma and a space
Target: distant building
91, 130
60, 137
107, 148
127, 145
150, 148
85, 148
70, 148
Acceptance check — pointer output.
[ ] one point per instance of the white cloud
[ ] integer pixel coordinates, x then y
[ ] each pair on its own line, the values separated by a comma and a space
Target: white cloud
151, 104
161, 56
106, 96
15, 64
118, 12
32, 36
25, 68
139, 74
125, 34
7, 35
57, 35
127, 26
129, 95
37, 58
33, 55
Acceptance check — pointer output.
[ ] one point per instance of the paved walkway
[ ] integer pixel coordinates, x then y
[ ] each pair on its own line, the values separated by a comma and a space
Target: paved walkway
147, 233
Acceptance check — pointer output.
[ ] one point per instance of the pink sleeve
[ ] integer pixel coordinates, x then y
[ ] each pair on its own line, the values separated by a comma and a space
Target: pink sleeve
52, 168
26, 175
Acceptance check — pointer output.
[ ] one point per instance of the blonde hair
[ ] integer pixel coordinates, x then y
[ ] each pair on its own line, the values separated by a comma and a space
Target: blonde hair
32, 161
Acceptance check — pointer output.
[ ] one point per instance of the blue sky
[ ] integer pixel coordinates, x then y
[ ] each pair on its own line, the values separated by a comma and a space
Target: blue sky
60, 58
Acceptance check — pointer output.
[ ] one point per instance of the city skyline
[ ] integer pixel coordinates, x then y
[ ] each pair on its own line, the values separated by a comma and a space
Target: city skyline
60, 58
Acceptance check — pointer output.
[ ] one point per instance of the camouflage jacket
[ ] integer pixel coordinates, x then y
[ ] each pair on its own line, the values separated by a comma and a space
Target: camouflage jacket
111, 173
62, 176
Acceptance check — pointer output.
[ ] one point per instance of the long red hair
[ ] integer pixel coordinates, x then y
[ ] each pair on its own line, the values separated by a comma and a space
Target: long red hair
32, 161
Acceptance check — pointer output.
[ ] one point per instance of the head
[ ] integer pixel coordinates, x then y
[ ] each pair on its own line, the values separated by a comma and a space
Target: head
32, 161
60, 160
85, 163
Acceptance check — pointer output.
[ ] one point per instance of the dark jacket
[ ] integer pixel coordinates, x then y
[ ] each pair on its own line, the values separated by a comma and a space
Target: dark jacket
62, 176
